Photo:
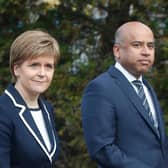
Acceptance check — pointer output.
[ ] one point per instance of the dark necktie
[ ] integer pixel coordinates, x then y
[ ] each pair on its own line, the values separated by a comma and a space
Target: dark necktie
141, 94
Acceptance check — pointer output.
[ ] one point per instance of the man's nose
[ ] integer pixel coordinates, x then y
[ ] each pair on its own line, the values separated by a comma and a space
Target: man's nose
145, 50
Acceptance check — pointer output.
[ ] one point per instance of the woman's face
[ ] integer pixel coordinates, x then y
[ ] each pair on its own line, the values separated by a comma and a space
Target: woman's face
34, 76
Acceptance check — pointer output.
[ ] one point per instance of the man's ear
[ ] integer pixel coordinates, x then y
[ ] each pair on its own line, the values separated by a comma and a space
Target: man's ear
116, 49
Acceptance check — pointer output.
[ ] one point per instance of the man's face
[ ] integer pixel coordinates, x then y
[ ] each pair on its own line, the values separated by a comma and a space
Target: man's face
136, 52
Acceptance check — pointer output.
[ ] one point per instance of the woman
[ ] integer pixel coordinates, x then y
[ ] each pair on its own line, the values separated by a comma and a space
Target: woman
28, 137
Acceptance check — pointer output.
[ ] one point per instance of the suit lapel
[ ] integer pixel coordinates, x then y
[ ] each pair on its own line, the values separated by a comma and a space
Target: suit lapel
129, 92
158, 111
29, 123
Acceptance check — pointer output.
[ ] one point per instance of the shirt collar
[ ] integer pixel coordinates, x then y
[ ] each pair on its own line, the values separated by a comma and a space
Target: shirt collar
127, 74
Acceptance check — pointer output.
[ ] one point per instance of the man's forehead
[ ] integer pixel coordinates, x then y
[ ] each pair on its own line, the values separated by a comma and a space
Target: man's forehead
138, 36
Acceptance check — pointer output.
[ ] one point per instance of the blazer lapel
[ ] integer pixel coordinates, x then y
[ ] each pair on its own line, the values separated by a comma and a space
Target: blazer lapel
49, 127
27, 119
29, 123
129, 92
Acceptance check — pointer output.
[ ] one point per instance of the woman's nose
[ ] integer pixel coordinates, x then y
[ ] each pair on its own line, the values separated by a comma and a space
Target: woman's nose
42, 71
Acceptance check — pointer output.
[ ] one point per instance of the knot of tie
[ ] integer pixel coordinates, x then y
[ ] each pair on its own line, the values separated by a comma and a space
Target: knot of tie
137, 83
139, 86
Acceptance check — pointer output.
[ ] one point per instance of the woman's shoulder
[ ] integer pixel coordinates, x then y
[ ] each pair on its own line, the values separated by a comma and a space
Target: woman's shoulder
4, 100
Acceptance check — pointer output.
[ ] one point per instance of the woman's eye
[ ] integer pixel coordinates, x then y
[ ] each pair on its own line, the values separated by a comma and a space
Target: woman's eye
50, 66
33, 65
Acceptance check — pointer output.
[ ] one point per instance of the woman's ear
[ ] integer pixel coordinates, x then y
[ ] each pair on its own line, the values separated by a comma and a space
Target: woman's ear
16, 69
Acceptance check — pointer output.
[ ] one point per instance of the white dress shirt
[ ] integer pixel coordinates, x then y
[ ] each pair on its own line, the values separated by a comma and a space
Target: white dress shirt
131, 78
40, 123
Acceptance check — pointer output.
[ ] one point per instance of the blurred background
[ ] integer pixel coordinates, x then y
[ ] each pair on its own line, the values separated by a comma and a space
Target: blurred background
85, 32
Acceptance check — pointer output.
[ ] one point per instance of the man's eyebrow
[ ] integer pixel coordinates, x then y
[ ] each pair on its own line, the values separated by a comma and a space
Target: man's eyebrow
137, 41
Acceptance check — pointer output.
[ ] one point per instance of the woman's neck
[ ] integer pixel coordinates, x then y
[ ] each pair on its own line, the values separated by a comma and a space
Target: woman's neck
30, 99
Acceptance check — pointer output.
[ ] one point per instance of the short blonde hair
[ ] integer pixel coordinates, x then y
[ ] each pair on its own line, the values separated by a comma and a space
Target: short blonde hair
31, 44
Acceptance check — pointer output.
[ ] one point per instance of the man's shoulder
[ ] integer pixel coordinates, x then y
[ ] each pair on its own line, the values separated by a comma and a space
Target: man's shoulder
105, 76
103, 81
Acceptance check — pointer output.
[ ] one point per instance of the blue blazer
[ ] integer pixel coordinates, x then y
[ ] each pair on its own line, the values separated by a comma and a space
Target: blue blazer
118, 131
21, 144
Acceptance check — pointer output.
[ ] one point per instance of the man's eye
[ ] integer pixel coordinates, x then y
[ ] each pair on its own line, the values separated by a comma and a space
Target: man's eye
151, 45
137, 45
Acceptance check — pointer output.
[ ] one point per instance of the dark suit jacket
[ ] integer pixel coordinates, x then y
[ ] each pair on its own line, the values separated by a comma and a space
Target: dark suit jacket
21, 145
118, 131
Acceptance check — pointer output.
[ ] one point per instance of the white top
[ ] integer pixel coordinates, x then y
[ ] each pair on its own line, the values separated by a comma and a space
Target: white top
131, 78
40, 123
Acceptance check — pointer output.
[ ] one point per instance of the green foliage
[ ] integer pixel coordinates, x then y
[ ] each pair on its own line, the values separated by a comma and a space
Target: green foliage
77, 31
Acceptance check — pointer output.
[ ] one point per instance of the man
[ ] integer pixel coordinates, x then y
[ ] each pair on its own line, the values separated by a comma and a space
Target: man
121, 115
